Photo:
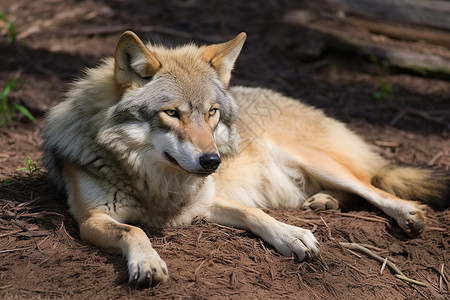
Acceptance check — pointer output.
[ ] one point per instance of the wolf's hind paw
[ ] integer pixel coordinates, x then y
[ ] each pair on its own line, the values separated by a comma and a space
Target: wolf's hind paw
414, 223
321, 201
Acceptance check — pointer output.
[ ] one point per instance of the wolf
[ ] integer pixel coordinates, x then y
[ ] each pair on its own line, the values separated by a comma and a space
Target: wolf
156, 136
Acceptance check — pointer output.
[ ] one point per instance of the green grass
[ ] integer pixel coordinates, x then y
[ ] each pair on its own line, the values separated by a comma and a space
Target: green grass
7, 109
334, 68
10, 27
5, 182
384, 89
31, 168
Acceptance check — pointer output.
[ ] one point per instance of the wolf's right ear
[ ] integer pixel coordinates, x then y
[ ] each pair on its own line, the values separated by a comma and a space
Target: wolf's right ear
222, 56
133, 61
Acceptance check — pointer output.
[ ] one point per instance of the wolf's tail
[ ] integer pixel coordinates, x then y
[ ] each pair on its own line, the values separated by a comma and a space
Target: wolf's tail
428, 186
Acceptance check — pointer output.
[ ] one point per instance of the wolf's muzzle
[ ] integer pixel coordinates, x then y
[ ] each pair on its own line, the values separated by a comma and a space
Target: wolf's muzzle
210, 161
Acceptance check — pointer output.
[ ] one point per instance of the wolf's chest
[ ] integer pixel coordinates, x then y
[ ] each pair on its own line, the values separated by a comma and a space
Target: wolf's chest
169, 203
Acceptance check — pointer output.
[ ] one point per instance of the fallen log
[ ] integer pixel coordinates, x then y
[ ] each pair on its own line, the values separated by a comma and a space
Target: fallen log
417, 57
431, 13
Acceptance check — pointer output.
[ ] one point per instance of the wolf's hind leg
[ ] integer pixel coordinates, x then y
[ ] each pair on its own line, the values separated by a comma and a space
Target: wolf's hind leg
144, 264
408, 214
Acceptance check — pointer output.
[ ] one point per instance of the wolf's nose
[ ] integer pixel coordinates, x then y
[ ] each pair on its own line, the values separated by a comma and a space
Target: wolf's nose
210, 161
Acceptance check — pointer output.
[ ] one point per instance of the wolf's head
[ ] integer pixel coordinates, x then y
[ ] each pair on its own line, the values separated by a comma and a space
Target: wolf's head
176, 102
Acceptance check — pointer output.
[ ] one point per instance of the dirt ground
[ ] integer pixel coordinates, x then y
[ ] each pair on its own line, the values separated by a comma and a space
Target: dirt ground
41, 254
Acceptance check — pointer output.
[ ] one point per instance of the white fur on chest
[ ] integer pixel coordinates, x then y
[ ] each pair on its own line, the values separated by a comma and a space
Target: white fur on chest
166, 199
153, 197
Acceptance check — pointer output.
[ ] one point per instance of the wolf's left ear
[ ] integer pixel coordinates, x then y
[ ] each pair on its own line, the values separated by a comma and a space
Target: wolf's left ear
134, 62
222, 56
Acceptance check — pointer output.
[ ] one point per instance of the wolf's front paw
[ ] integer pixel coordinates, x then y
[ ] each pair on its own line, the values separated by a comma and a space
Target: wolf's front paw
291, 240
145, 267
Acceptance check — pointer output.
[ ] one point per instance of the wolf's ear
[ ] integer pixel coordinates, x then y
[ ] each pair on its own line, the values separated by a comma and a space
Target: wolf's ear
133, 60
222, 56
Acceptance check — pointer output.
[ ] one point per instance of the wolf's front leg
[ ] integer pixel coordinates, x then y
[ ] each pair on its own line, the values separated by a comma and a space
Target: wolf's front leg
144, 264
286, 239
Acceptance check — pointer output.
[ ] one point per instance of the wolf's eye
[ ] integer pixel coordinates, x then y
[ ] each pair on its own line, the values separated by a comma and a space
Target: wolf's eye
172, 113
212, 111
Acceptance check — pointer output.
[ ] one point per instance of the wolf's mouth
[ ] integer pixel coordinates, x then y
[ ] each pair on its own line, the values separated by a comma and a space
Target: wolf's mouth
172, 160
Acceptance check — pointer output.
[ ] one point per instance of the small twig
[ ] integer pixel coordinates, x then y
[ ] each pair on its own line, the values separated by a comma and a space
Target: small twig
363, 218
364, 250
11, 232
426, 116
397, 118
418, 113
435, 158
328, 228
198, 269
5, 286
28, 203
354, 253
37, 245
228, 227
312, 292
15, 249
441, 275
387, 144
374, 248
307, 221
65, 231
43, 291
355, 268
41, 214
41, 242
409, 280
199, 236
383, 265
399, 274
436, 229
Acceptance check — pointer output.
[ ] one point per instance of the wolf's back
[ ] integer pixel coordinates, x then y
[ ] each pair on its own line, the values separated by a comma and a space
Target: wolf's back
431, 187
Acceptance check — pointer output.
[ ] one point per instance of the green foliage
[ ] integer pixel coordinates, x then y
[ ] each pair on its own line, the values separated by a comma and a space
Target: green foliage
334, 68
31, 168
5, 182
7, 109
10, 27
384, 89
